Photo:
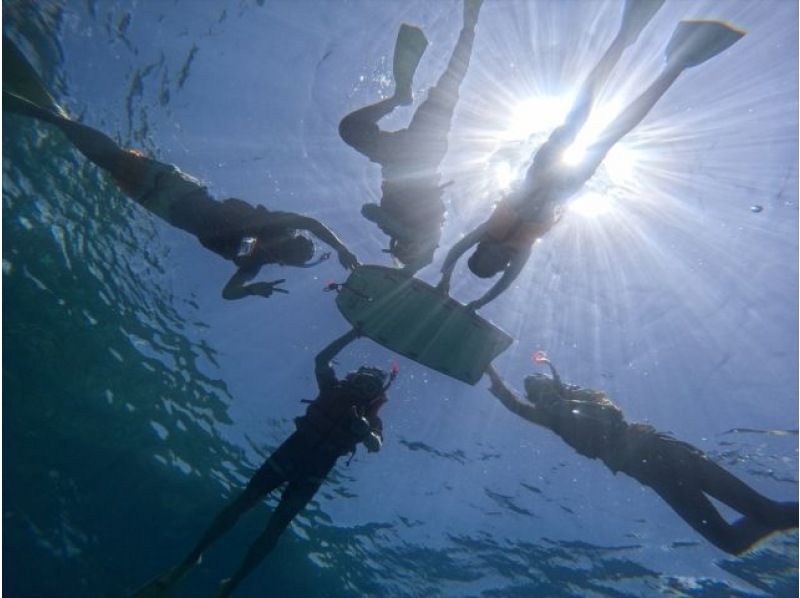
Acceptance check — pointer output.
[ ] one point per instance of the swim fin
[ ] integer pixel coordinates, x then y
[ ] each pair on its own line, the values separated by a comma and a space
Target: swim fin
22, 106
635, 17
408, 50
20, 78
694, 42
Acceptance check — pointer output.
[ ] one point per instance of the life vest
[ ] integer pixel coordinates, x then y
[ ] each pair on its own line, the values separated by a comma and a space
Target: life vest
506, 226
327, 423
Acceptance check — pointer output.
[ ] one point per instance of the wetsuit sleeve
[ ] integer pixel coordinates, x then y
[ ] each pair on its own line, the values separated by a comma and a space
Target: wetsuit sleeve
236, 287
323, 370
290, 220
511, 400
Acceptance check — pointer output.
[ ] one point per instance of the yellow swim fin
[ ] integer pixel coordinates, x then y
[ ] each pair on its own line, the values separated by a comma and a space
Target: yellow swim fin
408, 50
694, 42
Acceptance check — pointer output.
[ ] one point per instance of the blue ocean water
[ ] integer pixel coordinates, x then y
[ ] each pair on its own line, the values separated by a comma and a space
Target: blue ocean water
137, 401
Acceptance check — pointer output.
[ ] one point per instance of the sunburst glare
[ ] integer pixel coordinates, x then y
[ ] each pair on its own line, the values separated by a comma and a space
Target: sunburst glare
535, 115
591, 204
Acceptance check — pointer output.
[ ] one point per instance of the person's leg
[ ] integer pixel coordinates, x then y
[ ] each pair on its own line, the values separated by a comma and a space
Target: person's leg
691, 44
296, 496
266, 479
626, 121
695, 509
359, 129
727, 488
21, 78
154, 185
96, 146
433, 117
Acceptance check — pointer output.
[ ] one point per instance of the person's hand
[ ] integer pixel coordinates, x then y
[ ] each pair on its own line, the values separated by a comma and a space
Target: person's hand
496, 381
473, 305
347, 259
265, 289
372, 442
359, 426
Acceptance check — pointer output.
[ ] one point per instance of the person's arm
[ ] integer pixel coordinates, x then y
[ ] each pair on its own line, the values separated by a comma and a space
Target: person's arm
509, 275
322, 363
319, 230
510, 400
456, 252
236, 288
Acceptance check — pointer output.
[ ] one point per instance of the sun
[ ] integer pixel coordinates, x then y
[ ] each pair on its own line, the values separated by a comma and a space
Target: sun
591, 204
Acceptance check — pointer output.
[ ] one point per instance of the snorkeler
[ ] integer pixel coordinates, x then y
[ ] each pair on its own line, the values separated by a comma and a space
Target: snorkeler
411, 210
681, 474
344, 414
249, 236
529, 211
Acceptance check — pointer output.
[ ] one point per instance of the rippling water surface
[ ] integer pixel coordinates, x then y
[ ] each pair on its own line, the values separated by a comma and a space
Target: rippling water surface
136, 401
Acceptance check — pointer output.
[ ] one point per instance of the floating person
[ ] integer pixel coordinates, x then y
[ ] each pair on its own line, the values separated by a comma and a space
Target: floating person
504, 242
681, 474
249, 236
344, 415
411, 210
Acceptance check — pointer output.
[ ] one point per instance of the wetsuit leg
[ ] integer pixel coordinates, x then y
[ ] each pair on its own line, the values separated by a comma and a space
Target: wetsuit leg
96, 146
294, 499
727, 488
683, 475
360, 130
154, 185
266, 479
431, 122
697, 510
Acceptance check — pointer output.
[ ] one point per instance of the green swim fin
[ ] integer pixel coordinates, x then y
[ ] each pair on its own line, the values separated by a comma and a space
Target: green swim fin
408, 50
635, 17
20, 78
694, 42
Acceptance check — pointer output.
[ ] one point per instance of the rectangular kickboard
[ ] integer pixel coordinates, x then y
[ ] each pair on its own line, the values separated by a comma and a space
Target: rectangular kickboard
413, 319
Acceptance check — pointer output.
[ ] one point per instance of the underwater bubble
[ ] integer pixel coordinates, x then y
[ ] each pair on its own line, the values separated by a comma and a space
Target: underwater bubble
756, 209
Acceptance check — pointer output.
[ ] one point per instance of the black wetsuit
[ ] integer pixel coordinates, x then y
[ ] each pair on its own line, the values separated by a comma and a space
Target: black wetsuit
323, 435
410, 158
680, 473
222, 225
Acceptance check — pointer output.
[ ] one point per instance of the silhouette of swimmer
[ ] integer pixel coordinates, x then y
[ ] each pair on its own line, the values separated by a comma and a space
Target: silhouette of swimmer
530, 210
344, 414
411, 211
249, 236
681, 474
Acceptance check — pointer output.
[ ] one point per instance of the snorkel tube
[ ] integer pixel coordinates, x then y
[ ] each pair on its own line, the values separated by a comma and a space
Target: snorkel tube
541, 357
